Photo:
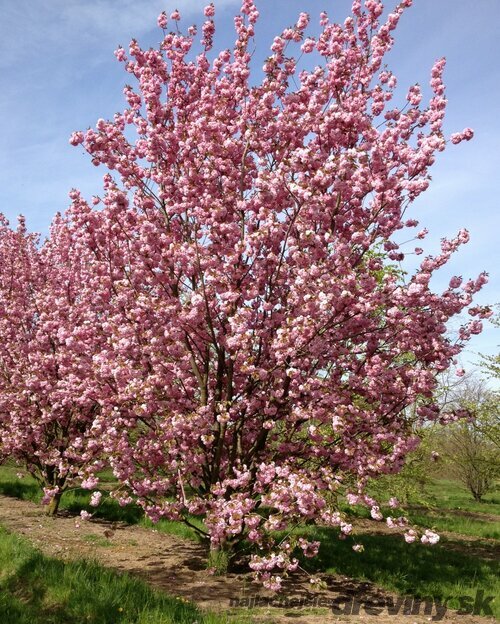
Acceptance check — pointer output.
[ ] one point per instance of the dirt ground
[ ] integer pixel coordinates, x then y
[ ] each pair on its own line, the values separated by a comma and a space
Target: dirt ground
178, 567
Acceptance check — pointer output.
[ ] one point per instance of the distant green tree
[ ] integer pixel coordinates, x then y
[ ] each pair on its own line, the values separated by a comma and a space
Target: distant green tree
471, 444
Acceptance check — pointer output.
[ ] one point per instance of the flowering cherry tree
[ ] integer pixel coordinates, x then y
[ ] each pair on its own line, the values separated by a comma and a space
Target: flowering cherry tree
48, 335
262, 346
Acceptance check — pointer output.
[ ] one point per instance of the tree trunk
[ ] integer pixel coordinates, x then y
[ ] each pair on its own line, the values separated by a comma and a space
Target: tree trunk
219, 558
53, 506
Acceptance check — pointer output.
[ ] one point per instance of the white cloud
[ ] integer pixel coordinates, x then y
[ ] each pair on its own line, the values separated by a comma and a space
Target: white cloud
49, 27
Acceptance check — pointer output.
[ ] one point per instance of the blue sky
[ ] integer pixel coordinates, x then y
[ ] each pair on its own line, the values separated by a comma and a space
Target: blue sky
58, 74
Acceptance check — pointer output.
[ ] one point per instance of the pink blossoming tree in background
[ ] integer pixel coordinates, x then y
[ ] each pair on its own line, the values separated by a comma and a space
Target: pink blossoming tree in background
48, 335
252, 349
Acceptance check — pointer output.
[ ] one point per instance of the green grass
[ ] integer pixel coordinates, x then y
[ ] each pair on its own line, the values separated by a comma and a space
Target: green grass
35, 589
450, 508
450, 504
408, 569
448, 494
25, 489
446, 499
442, 520
451, 520
97, 540
387, 560
74, 500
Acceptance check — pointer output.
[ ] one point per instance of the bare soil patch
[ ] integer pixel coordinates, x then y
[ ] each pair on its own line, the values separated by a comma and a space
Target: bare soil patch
178, 567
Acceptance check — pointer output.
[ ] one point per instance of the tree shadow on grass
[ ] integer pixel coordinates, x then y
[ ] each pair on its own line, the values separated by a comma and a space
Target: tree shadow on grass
19, 489
405, 568
48, 591
108, 509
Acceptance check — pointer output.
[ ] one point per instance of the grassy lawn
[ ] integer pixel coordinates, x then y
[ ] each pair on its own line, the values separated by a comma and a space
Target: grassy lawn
450, 508
447, 500
442, 520
450, 504
413, 569
448, 494
407, 569
75, 500
35, 589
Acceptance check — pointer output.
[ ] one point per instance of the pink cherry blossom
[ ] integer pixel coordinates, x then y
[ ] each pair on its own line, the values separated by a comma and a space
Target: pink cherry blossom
429, 537
375, 513
224, 326
465, 135
162, 20
410, 536
49, 329
209, 10
95, 499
